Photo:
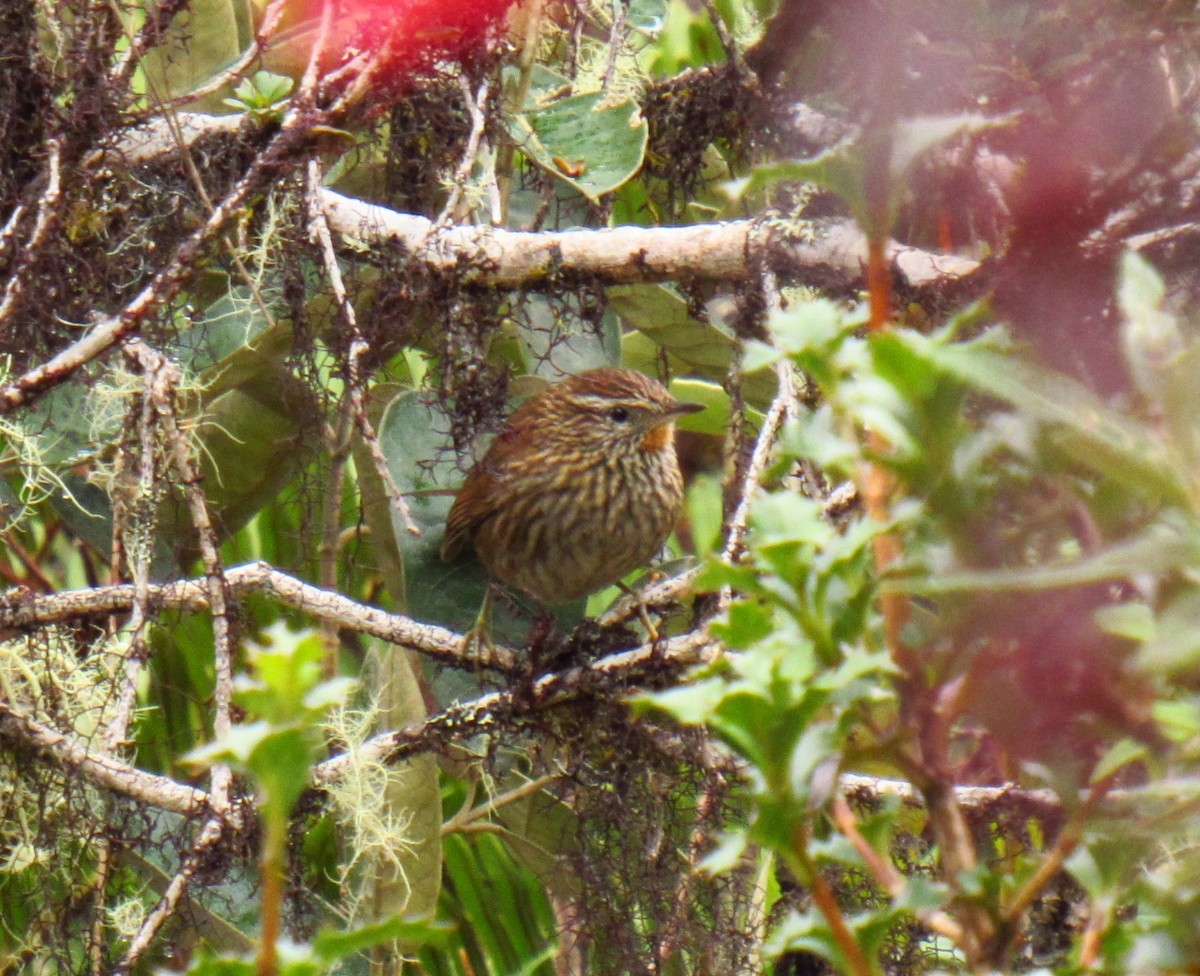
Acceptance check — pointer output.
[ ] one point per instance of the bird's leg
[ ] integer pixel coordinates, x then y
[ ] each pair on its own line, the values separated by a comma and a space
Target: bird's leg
477, 642
643, 613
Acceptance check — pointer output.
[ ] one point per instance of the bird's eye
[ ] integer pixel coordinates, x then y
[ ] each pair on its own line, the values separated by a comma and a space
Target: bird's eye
619, 414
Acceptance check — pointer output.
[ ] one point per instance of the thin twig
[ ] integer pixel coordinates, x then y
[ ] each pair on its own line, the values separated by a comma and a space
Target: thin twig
331, 521
47, 213
826, 901
885, 873
139, 555
1064, 844
732, 51
616, 43
8, 234
165, 284
477, 108
209, 837
180, 452
782, 408
100, 768
357, 349
299, 120
468, 815
550, 690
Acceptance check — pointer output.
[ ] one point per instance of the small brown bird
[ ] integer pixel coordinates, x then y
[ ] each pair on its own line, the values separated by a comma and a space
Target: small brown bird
580, 487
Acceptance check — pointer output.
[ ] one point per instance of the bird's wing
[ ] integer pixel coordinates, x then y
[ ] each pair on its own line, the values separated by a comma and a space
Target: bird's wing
481, 494
474, 503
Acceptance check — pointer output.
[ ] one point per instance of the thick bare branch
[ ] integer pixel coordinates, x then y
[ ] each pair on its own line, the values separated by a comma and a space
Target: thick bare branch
832, 253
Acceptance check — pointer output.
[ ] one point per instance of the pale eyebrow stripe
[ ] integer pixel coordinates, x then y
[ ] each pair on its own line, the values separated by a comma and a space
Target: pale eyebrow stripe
598, 403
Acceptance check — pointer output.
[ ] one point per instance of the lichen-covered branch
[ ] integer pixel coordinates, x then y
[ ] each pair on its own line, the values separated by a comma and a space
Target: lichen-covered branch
20, 610
829, 253
100, 768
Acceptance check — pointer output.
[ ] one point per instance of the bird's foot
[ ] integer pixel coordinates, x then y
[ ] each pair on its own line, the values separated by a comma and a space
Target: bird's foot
643, 613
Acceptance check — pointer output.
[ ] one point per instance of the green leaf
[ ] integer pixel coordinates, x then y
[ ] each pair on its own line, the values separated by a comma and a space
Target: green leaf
233, 341
213, 31
1157, 551
839, 169
1092, 432
407, 880
556, 340
692, 704
697, 348
659, 312
782, 517
717, 414
914, 137
704, 514
332, 945
1179, 400
1153, 342
1174, 646
590, 146
812, 325
414, 436
730, 848
1119, 755
261, 91
1134, 621
1179, 720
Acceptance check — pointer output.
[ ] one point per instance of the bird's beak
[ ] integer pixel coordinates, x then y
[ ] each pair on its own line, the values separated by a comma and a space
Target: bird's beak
678, 409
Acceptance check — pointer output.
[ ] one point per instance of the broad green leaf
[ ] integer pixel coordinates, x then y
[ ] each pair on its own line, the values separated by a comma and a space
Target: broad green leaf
1179, 397
704, 514
233, 342
1179, 720
1134, 621
659, 313
415, 439
812, 325
591, 147
692, 704
332, 945
1091, 431
251, 446
214, 32
701, 349
557, 343
377, 509
1158, 551
717, 414
543, 834
406, 880
1174, 647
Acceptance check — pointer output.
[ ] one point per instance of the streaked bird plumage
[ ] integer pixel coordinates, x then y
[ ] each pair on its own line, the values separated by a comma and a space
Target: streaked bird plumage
580, 487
